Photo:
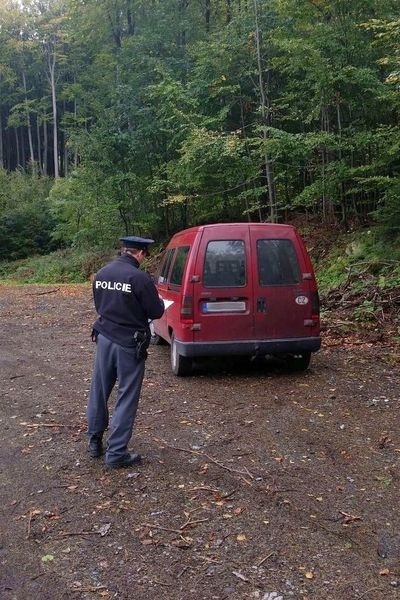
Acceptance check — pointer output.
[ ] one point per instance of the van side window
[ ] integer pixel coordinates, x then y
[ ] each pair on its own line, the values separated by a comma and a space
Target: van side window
179, 265
165, 265
225, 264
277, 262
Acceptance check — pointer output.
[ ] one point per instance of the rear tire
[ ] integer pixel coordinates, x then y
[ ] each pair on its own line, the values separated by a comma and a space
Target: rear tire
156, 340
180, 365
298, 362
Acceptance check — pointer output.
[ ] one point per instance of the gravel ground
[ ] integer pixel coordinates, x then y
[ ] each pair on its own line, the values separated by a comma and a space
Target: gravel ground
256, 483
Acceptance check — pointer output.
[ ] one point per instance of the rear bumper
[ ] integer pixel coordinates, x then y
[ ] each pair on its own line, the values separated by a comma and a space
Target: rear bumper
249, 347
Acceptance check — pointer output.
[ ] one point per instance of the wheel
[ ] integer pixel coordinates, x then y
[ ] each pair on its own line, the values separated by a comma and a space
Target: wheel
156, 340
298, 362
181, 365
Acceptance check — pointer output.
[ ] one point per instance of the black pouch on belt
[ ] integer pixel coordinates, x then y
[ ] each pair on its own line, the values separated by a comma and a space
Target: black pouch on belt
142, 339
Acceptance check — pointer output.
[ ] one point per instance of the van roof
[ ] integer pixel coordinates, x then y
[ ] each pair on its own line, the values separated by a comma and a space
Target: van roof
236, 224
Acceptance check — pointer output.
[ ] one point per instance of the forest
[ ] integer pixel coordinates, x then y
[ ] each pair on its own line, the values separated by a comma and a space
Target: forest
148, 116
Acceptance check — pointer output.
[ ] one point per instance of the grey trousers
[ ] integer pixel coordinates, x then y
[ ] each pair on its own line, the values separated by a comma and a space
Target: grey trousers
114, 362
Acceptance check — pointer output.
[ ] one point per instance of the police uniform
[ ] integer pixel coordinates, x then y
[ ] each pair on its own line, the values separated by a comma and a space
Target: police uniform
125, 299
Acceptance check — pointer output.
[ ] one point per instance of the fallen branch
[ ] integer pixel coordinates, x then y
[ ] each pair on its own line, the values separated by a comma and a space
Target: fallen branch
87, 589
43, 293
31, 513
340, 534
189, 523
204, 488
207, 559
211, 459
38, 575
240, 576
348, 518
72, 533
165, 584
177, 531
227, 495
37, 425
339, 323
377, 589
262, 561
182, 572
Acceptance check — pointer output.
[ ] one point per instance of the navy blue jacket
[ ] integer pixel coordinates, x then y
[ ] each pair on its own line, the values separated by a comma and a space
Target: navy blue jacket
125, 299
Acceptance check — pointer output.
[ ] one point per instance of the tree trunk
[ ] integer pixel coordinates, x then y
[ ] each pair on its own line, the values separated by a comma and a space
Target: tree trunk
208, 14
17, 147
130, 18
183, 4
327, 207
45, 147
342, 189
265, 120
39, 146
75, 146
65, 153
51, 64
28, 123
22, 146
228, 11
115, 27
1, 144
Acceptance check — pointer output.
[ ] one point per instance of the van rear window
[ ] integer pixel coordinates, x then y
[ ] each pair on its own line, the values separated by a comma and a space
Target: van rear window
277, 262
224, 264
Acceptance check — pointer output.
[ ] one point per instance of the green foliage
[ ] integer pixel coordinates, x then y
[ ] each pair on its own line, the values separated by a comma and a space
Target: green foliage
366, 311
388, 213
25, 220
19, 189
333, 271
62, 266
387, 33
100, 202
25, 231
358, 261
171, 115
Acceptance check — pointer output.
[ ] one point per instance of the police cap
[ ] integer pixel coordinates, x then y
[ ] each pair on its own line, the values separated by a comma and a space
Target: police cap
133, 241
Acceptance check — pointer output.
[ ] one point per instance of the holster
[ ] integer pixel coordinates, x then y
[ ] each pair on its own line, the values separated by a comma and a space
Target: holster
142, 339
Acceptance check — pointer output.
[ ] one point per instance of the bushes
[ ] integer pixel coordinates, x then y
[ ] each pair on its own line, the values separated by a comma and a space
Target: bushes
25, 231
26, 224
62, 266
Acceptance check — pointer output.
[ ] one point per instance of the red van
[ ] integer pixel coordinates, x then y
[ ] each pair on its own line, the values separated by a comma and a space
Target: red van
238, 289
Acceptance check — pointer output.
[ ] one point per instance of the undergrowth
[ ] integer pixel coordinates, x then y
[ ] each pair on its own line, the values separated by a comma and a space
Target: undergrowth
359, 260
63, 266
359, 278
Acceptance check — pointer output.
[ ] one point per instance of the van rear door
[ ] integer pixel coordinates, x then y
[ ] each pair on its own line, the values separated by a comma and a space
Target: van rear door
223, 306
282, 283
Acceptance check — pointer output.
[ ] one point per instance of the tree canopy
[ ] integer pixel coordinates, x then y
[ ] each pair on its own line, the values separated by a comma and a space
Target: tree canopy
130, 116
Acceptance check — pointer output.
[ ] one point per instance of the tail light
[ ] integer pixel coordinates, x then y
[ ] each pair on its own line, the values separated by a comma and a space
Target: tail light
315, 306
187, 310
314, 321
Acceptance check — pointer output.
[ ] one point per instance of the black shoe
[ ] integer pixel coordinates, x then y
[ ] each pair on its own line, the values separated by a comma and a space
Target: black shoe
126, 461
95, 448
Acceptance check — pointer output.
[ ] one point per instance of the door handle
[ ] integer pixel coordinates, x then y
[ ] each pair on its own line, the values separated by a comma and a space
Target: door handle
261, 305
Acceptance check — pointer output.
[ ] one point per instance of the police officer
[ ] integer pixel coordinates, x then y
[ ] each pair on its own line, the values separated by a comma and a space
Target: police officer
125, 299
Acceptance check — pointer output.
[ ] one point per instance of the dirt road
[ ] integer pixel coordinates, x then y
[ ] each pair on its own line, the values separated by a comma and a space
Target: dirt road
255, 483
